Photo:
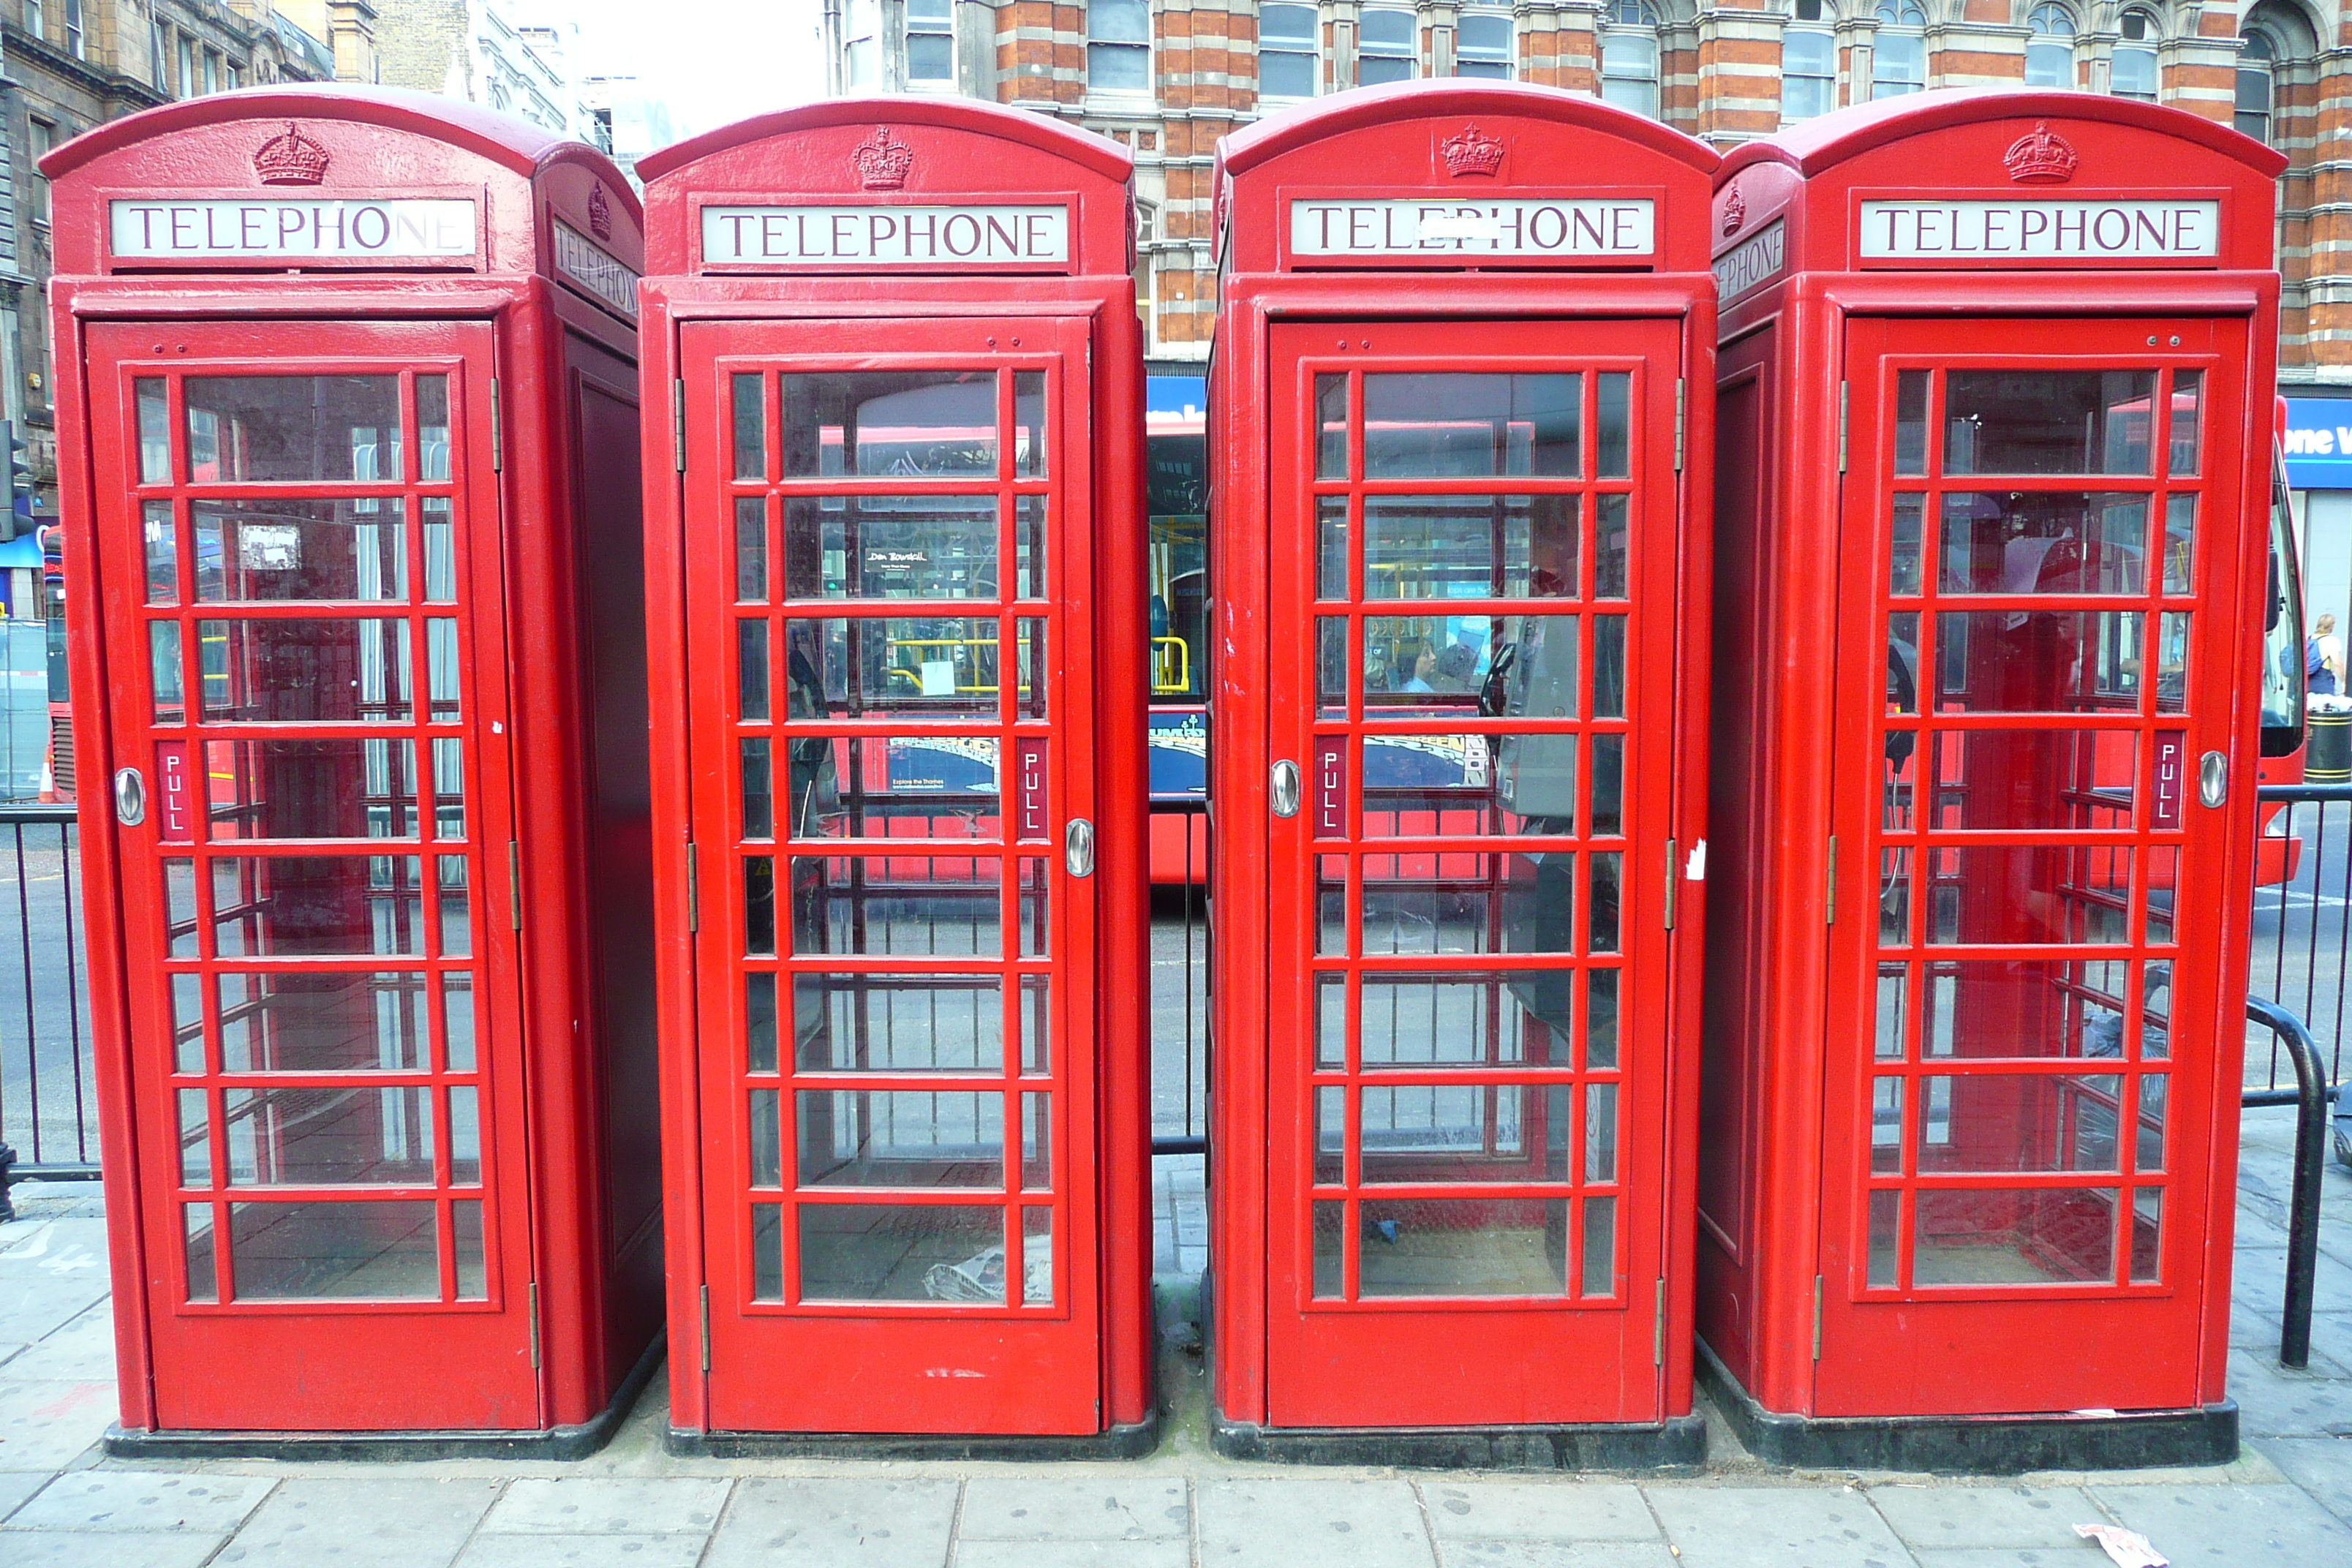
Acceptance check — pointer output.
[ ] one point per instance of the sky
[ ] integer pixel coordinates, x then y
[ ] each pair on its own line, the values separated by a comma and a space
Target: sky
713, 61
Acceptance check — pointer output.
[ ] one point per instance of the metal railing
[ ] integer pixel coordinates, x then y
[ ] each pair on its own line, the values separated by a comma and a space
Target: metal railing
2312, 1095
48, 1100
1180, 981
2302, 928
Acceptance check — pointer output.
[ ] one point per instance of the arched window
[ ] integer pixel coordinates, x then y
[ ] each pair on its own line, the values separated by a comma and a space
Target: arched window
1483, 41
2257, 54
1288, 64
1388, 42
1628, 57
2050, 51
1808, 65
2133, 72
1899, 63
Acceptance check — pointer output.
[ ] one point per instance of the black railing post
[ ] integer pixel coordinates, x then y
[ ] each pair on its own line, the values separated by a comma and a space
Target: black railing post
2310, 1158
8, 1204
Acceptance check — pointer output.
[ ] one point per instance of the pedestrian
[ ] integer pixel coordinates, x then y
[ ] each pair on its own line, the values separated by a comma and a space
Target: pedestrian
2323, 659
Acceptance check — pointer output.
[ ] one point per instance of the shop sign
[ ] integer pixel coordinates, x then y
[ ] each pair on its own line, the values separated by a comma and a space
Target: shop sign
966, 236
2020, 230
1567, 228
416, 229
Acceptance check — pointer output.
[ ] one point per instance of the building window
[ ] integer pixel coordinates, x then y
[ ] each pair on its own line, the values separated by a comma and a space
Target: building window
1387, 43
1629, 56
73, 28
2050, 52
160, 54
1288, 66
230, 76
931, 42
1899, 63
2135, 58
43, 138
1484, 44
36, 22
2257, 55
188, 68
862, 33
1808, 66
1118, 46
212, 71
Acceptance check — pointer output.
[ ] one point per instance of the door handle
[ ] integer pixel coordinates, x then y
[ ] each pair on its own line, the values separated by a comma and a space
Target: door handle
1284, 788
2213, 778
1078, 847
129, 797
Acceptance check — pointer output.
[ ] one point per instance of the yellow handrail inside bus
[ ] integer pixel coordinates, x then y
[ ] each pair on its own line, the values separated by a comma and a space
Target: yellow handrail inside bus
1163, 681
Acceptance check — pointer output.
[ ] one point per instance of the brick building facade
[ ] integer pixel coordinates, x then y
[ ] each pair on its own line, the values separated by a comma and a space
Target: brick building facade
1167, 78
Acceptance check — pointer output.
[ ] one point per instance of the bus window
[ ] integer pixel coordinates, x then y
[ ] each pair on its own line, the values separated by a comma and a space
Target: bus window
1179, 563
2282, 656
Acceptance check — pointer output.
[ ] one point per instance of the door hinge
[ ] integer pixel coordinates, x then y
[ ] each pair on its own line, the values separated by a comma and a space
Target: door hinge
706, 1332
1658, 1328
534, 1325
514, 886
1817, 1317
693, 890
1842, 416
677, 423
1829, 913
1670, 884
497, 430
1682, 390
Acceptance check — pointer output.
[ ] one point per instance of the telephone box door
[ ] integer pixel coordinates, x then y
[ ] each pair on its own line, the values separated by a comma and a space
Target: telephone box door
2041, 636
299, 557
888, 583
1474, 577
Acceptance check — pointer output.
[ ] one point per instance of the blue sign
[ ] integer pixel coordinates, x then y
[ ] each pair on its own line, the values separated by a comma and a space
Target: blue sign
2319, 443
1181, 394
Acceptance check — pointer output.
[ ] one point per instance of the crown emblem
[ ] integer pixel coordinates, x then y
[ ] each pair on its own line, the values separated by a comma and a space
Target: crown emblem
292, 159
882, 164
2041, 157
600, 212
1470, 151
1734, 212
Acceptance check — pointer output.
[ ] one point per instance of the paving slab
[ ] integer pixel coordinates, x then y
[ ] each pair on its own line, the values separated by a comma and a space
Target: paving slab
46, 1424
363, 1523
835, 1520
2194, 1526
1282, 1523
1073, 1555
35, 1305
16, 1486
1537, 1509
80, 1350
1990, 1516
143, 1500
1775, 1527
519, 1550
610, 1505
1558, 1555
1105, 1505
88, 1549
2276, 1402
2320, 1465
2081, 1554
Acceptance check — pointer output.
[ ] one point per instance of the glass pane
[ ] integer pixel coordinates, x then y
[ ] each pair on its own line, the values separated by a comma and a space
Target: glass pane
1330, 1236
1600, 1132
1601, 1020
2043, 541
432, 428
449, 788
456, 921
902, 1252
1609, 666
385, 1251
2024, 1007
443, 672
303, 670
1331, 1021
1997, 1122
900, 1138
899, 905
759, 788
1886, 1228
1034, 895
1886, 1124
2172, 661
1030, 695
896, 786
440, 550
1509, 1018
2017, 780
1535, 777
1608, 784
2037, 661
2148, 1148
764, 1137
195, 1140
1464, 1246
1469, 903
2147, 1235
2027, 894
1029, 424
458, 1018
154, 436
1036, 1143
354, 788
1444, 664
750, 549
1036, 1256
1910, 411
473, 1266
319, 905
2045, 1235
760, 906
1611, 545
767, 1252
752, 670
1903, 564
203, 1277
2156, 998
1029, 541
1035, 1003
1457, 547
1606, 867
2180, 544
936, 667
464, 1136
751, 429
899, 547
2187, 389
925, 424
1331, 666
163, 667
902, 1023
1889, 1035
187, 1023
1331, 423
2047, 422
291, 549
1612, 438
1331, 1135
1599, 1276
1453, 1134
317, 1022
1451, 426
162, 538
254, 429
329, 1137
760, 1021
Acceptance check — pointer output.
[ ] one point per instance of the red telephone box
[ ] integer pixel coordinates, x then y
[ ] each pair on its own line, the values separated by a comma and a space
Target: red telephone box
1458, 723
347, 389
896, 587
1994, 394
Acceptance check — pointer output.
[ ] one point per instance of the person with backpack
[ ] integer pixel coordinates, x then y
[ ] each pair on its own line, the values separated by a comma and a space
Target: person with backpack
2323, 659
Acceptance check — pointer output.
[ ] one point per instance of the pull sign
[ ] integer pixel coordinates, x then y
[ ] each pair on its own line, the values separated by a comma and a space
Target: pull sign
1029, 786
2171, 777
175, 804
1331, 785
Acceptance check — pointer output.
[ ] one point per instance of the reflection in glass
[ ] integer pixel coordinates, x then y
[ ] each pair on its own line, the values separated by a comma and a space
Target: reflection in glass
1999, 1122
1331, 1021
293, 550
1331, 1136
356, 788
1448, 1134
900, 1138
2028, 1235
889, 786
1911, 421
431, 430
1612, 438
1464, 1247
1035, 1003
2043, 541
466, 1242
750, 549
760, 1021
187, 1023
767, 1252
896, 547
1608, 785
751, 669
1036, 1256
1331, 426
1454, 547
931, 665
440, 550
2017, 780
321, 906
329, 1137
203, 1281
1473, 903
2187, 389
1331, 664
1892, 979
908, 1023
2027, 894
302, 670
1606, 867
2148, 1150
1611, 547
250, 429
164, 671
2147, 1235
1029, 425
926, 423
1029, 545
2180, 544
1609, 666
1495, 1018
458, 1018
1601, 1020
155, 431
1599, 1272
2038, 661
384, 1251
2172, 661
1329, 1225
1331, 547
1455, 426
1903, 568
751, 429
1886, 1124
931, 1253
899, 905
2047, 422
1885, 1225
162, 540
758, 774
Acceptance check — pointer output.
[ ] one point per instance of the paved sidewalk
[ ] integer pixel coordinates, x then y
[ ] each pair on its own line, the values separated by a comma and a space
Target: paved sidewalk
2288, 1500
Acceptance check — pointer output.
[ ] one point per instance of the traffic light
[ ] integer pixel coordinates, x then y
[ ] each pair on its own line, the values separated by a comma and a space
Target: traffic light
17, 514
